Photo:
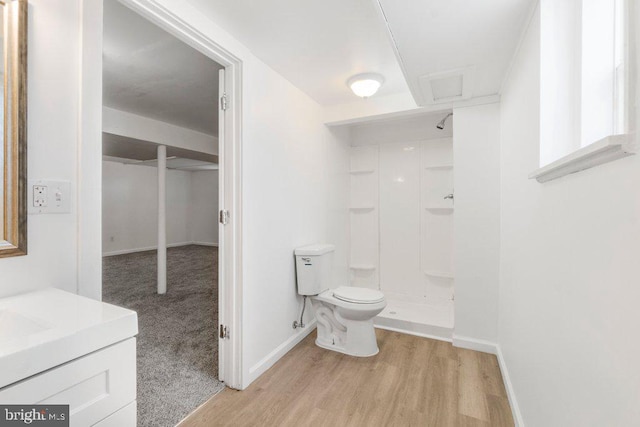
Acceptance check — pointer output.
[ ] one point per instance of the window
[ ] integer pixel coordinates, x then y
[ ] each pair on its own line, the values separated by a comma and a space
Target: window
584, 82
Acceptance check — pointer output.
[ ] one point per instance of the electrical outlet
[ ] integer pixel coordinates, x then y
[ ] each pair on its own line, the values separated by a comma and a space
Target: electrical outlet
39, 196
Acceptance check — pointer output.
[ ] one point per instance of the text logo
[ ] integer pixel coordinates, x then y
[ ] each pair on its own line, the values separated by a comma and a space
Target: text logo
34, 415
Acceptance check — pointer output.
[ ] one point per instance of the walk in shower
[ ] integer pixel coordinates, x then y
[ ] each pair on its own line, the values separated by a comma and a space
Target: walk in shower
401, 224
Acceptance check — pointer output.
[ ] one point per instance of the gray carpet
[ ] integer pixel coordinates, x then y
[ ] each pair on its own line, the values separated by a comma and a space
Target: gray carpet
177, 342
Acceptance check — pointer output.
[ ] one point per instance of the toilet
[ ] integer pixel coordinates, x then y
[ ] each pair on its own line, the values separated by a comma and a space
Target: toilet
344, 314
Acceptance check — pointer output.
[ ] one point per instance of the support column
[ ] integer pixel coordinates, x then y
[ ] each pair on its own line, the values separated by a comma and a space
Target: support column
162, 219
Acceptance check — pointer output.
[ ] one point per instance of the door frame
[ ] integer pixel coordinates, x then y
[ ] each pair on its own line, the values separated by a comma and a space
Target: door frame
90, 162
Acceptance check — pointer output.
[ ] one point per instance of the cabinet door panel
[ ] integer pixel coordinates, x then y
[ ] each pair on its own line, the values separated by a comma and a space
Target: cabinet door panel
95, 386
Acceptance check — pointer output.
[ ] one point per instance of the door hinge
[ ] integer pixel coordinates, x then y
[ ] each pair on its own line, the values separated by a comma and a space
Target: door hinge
224, 332
224, 102
224, 217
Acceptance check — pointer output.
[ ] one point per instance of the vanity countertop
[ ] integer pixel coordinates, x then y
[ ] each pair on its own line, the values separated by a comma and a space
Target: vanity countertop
43, 329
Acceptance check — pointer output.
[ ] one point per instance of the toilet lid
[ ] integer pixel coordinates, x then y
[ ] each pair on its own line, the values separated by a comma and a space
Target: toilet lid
358, 295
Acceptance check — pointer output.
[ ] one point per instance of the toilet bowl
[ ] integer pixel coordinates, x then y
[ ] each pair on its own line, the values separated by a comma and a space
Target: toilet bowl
345, 320
344, 314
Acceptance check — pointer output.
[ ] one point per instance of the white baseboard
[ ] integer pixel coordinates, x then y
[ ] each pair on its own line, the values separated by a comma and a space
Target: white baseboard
261, 367
511, 394
144, 249
205, 244
475, 344
153, 248
414, 333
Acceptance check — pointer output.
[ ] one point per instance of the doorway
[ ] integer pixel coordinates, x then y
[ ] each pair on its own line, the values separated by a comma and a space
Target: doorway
154, 119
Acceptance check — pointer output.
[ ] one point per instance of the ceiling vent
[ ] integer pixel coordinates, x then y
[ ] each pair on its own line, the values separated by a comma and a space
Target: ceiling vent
447, 86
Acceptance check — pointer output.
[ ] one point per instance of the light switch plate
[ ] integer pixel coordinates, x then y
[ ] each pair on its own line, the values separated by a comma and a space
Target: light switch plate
49, 197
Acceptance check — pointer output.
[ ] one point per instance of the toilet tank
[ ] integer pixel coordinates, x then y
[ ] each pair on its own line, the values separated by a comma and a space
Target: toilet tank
313, 268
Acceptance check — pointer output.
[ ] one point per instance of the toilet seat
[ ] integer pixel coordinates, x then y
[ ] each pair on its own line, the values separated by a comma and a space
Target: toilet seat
356, 295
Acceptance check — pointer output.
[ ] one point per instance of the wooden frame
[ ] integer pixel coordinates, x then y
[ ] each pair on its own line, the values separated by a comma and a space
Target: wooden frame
13, 242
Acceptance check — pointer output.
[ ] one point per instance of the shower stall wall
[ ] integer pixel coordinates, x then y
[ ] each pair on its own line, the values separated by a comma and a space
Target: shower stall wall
402, 232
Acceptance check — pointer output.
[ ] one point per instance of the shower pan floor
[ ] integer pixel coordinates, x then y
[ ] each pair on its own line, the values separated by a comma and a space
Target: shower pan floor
432, 320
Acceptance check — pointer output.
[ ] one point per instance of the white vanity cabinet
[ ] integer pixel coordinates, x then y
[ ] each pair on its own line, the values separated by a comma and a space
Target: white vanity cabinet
67, 349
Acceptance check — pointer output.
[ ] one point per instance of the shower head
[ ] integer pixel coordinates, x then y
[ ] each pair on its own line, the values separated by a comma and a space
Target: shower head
440, 124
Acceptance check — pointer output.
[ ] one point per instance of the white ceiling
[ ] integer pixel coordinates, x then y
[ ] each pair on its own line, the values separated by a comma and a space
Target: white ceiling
316, 45
434, 36
149, 72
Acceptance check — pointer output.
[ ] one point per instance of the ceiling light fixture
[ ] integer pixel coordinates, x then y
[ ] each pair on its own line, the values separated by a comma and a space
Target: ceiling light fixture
366, 84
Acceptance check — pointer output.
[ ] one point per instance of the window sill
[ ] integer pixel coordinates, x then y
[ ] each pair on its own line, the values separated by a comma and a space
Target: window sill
606, 150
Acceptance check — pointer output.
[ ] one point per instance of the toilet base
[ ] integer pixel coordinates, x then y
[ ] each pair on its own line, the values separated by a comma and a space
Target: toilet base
343, 350
355, 337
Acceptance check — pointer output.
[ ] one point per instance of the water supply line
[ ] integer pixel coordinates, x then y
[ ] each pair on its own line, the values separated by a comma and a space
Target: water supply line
297, 325
304, 304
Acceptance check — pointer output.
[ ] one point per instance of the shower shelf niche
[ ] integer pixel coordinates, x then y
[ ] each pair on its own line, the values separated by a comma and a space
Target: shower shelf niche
362, 172
443, 209
439, 274
442, 166
362, 267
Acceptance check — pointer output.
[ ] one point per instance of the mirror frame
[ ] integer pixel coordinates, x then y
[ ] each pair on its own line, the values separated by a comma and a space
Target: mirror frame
14, 241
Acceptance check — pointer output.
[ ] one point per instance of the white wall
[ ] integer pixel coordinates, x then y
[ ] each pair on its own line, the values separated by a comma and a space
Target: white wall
476, 152
338, 167
399, 206
203, 215
417, 128
569, 293
286, 157
53, 147
130, 207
